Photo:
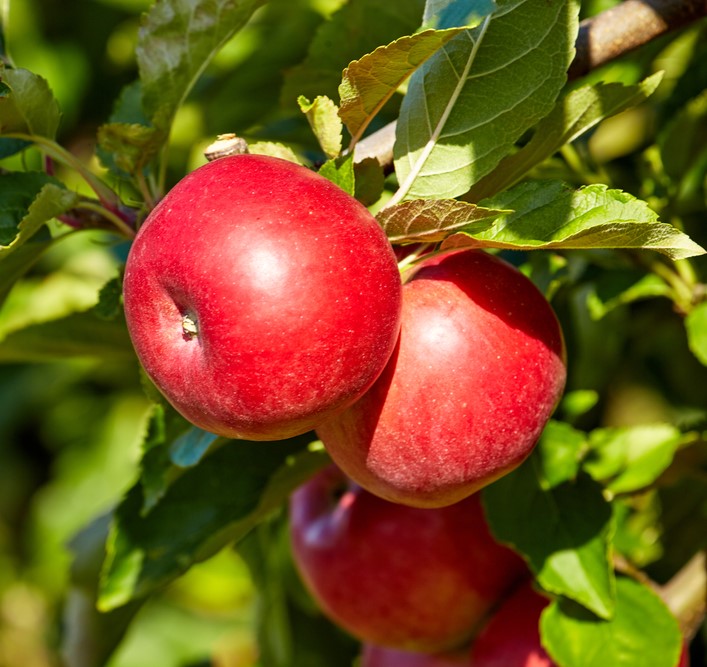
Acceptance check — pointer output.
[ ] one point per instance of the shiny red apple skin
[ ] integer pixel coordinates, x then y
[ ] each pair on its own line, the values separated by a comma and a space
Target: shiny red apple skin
292, 287
478, 371
511, 638
379, 656
398, 576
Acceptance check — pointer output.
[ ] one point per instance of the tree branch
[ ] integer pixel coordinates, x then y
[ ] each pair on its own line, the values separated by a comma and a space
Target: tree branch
627, 26
601, 39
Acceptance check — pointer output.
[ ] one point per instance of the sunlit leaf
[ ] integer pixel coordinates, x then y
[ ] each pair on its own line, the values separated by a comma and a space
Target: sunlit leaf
273, 149
574, 114
210, 505
548, 214
133, 145
561, 449
28, 200
369, 82
469, 103
564, 532
618, 288
30, 106
629, 459
696, 326
323, 117
432, 220
341, 172
641, 632
176, 41
359, 27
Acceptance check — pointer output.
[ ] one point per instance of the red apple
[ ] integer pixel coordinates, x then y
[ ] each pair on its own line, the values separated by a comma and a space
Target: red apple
398, 576
478, 371
379, 656
512, 637
261, 298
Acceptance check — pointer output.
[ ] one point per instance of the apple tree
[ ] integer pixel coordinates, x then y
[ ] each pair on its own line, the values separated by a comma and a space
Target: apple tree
543, 161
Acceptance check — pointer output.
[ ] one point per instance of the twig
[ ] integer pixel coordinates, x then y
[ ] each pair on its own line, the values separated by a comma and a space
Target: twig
627, 26
686, 595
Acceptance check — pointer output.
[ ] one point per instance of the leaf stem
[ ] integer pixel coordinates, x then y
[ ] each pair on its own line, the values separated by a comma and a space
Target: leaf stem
109, 215
107, 197
684, 293
429, 146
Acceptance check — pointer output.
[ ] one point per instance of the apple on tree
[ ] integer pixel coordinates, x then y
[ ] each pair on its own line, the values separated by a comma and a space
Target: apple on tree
394, 575
510, 638
261, 298
380, 656
479, 369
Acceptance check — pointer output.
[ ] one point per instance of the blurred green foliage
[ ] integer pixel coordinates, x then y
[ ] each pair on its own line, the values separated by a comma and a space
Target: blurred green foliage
71, 431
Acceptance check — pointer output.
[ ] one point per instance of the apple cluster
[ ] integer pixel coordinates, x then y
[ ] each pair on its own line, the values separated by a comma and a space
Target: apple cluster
418, 587
265, 302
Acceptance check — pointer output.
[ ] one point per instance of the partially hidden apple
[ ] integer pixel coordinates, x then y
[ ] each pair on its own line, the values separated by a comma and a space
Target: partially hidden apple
380, 656
511, 638
478, 371
261, 298
398, 576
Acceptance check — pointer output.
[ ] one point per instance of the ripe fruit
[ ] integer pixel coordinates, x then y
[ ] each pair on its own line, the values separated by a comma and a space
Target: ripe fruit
497, 646
261, 298
410, 578
477, 373
379, 656
512, 637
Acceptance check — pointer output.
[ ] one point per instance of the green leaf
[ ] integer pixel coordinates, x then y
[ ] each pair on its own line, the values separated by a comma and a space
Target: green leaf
370, 180
323, 117
549, 214
469, 103
696, 326
28, 200
77, 335
574, 114
341, 172
110, 304
133, 146
17, 263
629, 459
432, 220
578, 402
273, 149
30, 107
618, 288
682, 142
455, 13
210, 505
561, 449
564, 532
176, 41
369, 82
642, 631
359, 27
